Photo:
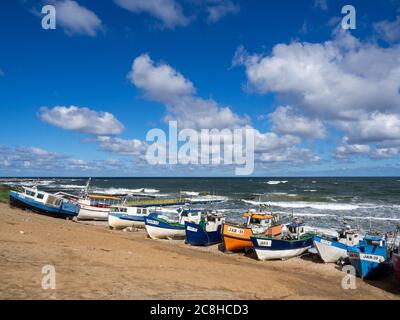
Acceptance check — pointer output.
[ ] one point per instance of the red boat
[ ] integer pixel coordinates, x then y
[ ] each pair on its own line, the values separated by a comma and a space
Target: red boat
396, 264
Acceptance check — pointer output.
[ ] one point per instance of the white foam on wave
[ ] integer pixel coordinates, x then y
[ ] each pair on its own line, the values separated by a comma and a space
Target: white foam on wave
210, 198
303, 204
275, 182
190, 193
371, 218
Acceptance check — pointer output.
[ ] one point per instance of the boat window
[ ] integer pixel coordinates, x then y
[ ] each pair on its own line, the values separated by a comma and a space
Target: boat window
40, 195
30, 193
139, 211
255, 221
144, 211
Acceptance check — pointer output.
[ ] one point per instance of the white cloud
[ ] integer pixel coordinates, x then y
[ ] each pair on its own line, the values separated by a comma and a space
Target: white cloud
162, 83
77, 19
132, 147
169, 12
285, 121
321, 4
338, 79
159, 82
345, 83
373, 128
217, 9
33, 160
346, 149
82, 119
388, 30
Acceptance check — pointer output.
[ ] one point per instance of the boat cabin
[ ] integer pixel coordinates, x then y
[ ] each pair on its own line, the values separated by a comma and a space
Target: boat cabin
135, 211
100, 201
189, 216
349, 236
258, 220
213, 221
42, 197
294, 230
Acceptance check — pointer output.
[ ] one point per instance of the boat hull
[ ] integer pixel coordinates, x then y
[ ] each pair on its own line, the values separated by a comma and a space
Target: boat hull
93, 213
274, 249
65, 211
157, 229
197, 236
122, 221
237, 238
396, 265
367, 265
330, 251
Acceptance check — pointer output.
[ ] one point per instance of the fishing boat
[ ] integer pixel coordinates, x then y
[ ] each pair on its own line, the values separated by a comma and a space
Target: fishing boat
161, 227
369, 257
207, 232
44, 203
332, 249
96, 207
293, 242
93, 206
121, 217
237, 237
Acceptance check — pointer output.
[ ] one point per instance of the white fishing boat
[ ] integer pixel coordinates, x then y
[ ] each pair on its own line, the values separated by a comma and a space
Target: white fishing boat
121, 217
332, 249
161, 227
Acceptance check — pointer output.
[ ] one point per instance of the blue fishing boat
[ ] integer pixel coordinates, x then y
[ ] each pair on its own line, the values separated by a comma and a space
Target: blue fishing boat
44, 203
293, 242
207, 232
162, 227
369, 257
331, 248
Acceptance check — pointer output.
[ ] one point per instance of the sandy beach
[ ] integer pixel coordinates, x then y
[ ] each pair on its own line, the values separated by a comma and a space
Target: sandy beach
94, 262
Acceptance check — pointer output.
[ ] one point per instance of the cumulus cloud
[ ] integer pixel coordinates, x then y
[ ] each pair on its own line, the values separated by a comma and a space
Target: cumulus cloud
346, 149
81, 119
373, 128
133, 147
169, 12
388, 30
28, 159
341, 78
285, 121
351, 85
217, 9
162, 83
77, 19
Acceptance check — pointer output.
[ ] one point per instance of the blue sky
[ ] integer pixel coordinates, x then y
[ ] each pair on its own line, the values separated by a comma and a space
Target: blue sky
79, 100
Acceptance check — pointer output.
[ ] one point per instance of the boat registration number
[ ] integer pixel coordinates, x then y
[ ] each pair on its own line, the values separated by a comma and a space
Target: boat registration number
366, 257
236, 230
191, 229
264, 243
329, 243
153, 222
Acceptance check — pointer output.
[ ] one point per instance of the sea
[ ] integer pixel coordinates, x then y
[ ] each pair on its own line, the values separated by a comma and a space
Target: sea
326, 204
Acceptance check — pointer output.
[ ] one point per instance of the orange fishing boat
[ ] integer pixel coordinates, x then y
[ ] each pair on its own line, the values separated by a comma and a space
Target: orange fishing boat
236, 237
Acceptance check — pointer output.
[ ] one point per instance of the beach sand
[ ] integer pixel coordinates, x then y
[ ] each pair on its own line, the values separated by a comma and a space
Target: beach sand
94, 262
